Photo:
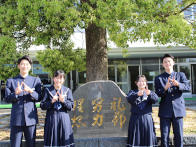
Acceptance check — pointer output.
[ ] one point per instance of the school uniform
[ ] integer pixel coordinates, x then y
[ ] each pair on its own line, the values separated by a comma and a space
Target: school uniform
24, 112
141, 131
57, 129
172, 106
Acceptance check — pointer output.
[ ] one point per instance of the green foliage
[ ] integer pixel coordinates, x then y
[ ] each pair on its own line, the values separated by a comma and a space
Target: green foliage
8, 58
162, 21
38, 21
42, 22
63, 58
51, 23
125, 53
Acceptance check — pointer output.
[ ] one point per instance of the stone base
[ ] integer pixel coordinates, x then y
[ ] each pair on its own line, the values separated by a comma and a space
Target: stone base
189, 141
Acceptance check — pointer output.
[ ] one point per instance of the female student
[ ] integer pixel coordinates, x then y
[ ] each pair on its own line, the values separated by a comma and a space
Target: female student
57, 100
141, 131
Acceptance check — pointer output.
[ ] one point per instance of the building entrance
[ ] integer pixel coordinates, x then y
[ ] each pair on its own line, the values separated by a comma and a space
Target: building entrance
133, 72
193, 78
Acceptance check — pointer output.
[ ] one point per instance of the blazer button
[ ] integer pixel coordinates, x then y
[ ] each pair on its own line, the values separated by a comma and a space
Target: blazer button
172, 101
172, 95
24, 101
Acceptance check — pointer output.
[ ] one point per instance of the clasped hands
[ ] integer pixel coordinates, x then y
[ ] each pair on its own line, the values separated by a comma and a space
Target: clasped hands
60, 97
169, 81
26, 88
141, 92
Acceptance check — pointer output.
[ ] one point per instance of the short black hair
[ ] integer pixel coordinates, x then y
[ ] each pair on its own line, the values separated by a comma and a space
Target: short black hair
26, 57
167, 55
59, 72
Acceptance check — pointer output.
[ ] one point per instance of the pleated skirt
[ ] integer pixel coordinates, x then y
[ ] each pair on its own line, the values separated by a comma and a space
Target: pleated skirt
141, 131
58, 131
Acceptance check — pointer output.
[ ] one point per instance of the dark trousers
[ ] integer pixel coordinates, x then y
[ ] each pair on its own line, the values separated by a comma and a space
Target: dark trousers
165, 124
17, 133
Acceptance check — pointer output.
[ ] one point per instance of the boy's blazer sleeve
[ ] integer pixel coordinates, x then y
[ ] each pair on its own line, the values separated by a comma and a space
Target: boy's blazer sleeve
36, 95
159, 89
184, 84
10, 95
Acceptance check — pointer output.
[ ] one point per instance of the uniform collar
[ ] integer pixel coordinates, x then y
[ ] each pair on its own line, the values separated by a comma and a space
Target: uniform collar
136, 90
53, 90
171, 74
22, 77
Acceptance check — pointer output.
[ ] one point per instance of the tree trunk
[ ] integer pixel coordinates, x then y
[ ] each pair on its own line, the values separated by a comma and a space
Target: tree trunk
96, 53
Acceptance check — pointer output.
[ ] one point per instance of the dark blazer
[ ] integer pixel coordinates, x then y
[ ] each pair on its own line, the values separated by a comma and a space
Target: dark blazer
24, 111
46, 103
172, 101
136, 101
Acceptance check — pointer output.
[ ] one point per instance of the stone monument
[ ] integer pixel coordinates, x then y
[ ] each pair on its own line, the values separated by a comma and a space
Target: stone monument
100, 110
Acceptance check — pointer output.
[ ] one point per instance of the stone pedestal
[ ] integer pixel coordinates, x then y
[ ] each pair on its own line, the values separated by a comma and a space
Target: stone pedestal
100, 110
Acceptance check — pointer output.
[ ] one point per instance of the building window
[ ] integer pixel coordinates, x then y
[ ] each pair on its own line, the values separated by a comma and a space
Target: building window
44, 76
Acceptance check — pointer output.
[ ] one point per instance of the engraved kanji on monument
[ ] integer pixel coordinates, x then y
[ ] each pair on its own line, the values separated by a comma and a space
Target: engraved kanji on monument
100, 110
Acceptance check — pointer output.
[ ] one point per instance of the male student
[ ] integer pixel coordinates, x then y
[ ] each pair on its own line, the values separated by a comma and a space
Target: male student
23, 91
169, 86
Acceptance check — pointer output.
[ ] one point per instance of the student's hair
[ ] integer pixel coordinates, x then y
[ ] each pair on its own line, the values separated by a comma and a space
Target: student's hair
167, 55
141, 76
26, 58
59, 72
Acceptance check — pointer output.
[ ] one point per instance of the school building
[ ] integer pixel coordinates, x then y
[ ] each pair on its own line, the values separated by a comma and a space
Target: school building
144, 58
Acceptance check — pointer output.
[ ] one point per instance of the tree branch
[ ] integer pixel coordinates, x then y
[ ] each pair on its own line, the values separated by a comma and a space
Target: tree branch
188, 6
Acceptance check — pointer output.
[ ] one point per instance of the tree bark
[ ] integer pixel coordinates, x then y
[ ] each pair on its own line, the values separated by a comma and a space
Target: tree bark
96, 53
